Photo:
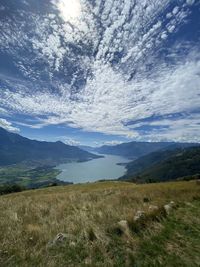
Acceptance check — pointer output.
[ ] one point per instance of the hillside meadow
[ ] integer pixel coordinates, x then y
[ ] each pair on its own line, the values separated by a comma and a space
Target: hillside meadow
96, 226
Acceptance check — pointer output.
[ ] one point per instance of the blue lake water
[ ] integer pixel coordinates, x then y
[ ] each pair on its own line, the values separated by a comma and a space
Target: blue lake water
93, 170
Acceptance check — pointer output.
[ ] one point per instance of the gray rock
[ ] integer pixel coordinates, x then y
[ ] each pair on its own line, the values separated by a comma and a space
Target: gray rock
169, 207
153, 208
72, 244
139, 214
123, 225
172, 203
60, 238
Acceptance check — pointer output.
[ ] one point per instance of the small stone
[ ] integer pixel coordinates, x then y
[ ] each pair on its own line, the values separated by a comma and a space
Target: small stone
60, 238
123, 225
153, 208
189, 204
172, 203
139, 214
72, 244
88, 261
169, 207
15, 216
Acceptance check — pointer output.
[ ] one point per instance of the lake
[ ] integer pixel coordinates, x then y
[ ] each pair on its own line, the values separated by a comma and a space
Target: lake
93, 170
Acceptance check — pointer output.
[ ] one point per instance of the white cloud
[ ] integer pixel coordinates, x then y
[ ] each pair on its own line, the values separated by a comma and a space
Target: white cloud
112, 143
184, 128
114, 94
70, 10
8, 126
108, 102
175, 10
70, 141
2, 8
3, 111
190, 2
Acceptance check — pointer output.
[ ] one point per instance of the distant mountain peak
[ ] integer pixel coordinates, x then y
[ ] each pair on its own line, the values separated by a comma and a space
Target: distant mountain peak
15, 148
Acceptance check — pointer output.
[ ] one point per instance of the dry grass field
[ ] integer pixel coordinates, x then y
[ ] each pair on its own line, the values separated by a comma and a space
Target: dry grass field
88, 217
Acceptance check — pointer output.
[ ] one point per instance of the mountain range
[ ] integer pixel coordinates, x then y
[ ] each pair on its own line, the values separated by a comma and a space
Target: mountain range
15, 148
150, 161
134, 150
180, 163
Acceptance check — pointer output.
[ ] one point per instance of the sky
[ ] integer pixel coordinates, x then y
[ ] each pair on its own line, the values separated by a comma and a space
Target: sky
96, 72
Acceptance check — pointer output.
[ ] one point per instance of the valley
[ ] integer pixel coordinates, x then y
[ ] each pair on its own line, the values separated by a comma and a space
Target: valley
29, 177
35, 164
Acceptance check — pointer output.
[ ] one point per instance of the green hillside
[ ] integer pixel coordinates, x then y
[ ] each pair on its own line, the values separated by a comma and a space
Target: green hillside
165, 165
15, 149
108, 224
28, 177
134, 150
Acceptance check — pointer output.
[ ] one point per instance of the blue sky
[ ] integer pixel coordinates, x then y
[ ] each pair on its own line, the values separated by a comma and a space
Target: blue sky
98, 72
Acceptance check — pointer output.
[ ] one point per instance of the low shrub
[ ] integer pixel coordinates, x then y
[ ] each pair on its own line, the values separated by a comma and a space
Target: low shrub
8, 189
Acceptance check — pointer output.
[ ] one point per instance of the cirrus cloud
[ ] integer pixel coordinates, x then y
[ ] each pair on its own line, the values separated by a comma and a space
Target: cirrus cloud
8, 126
106, 71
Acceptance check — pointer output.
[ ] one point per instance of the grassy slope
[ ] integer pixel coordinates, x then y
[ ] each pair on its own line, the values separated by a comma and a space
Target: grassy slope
89, 213
165, 165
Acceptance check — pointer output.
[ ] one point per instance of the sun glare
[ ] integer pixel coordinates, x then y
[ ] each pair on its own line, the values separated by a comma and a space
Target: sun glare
70, 9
